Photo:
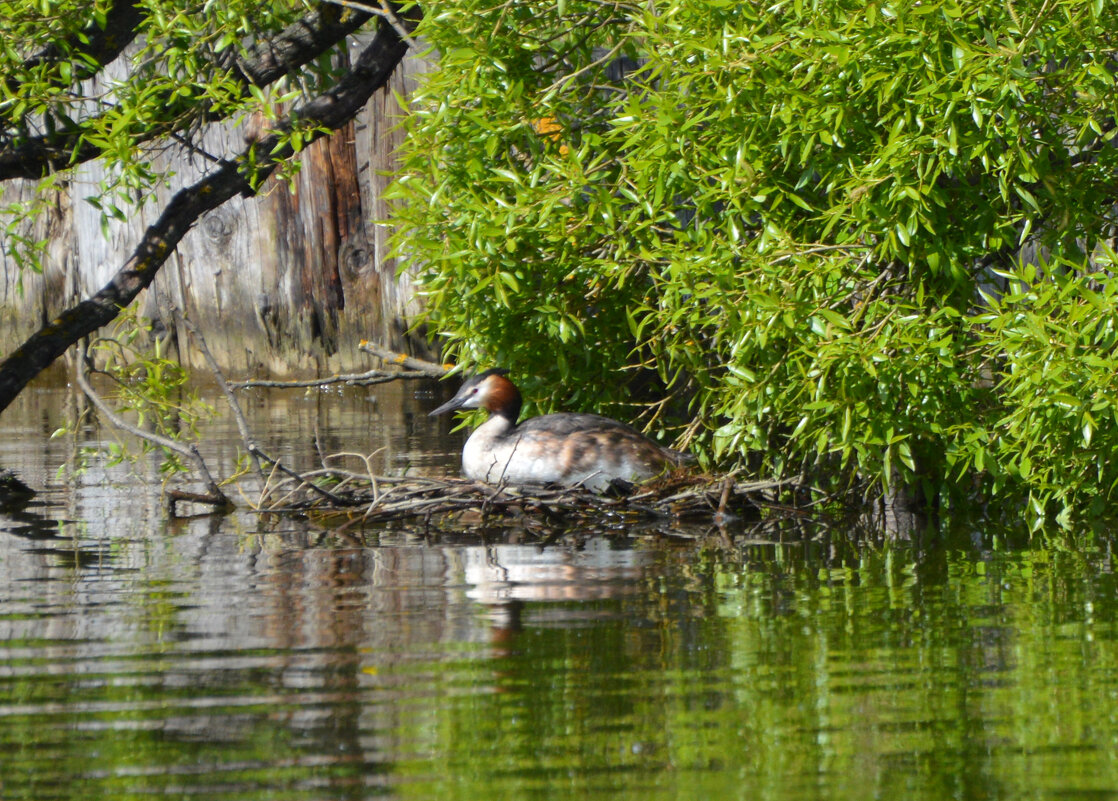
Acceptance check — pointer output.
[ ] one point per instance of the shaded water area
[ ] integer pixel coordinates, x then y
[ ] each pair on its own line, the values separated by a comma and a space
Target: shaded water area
246, 657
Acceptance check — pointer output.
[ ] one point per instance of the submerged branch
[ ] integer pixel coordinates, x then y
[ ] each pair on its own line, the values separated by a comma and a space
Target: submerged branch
213, 497
230, 397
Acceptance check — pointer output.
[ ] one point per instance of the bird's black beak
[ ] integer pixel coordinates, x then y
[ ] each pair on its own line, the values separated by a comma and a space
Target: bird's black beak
449, 406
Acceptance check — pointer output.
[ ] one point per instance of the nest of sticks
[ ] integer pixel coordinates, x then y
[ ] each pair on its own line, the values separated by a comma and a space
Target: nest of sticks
369, 498
366, 497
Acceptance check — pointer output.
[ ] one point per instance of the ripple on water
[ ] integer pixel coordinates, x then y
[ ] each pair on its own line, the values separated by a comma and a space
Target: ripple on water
231, 658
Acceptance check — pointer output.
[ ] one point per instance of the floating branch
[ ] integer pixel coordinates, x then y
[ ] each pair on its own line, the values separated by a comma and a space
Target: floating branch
430, 369
351, 379
403, 367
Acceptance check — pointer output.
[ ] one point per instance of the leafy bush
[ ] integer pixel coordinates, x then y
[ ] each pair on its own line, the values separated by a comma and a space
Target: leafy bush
804, 218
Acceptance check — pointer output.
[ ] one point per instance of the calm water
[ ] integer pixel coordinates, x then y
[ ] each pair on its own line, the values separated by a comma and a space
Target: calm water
252, 658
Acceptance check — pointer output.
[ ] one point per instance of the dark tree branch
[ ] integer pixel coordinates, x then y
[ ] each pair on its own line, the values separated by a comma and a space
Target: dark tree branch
329, 111
101, 46
267, 61
298, 44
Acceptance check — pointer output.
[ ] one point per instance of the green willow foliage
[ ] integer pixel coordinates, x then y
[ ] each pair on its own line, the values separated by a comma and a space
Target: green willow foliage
807, 217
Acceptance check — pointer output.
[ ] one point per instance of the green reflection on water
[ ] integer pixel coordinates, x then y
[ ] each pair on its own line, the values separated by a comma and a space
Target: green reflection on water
885, 679
771, 672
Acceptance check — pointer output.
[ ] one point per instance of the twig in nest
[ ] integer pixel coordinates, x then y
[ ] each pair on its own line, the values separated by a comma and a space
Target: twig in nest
368, 460
674, 497
214, 497
339, 500
720, 515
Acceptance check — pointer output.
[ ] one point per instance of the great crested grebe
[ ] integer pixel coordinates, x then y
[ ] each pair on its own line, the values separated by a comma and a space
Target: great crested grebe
568, 449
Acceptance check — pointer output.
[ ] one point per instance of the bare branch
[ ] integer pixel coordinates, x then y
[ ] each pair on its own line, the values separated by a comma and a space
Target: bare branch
230, 397
374, 376
403, 360
303, 482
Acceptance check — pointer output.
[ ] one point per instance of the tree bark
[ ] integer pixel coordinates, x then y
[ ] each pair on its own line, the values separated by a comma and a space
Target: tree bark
329, 111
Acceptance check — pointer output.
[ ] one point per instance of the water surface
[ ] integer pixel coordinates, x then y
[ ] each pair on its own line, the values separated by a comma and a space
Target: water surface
248, 657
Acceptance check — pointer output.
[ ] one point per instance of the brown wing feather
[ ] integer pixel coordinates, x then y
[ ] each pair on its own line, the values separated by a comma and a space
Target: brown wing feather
605, 432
